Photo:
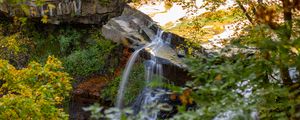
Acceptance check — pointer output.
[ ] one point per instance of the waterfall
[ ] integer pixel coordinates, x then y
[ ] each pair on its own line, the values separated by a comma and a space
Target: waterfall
125, 76
152, 67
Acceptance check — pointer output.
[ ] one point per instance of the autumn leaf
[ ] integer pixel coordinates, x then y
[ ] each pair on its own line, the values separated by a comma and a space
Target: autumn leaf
218, 77
45, 19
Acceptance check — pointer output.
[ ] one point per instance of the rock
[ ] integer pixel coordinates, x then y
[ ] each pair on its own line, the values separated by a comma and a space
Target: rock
75, 11
168, 54
135, 29
166, 101
130, 29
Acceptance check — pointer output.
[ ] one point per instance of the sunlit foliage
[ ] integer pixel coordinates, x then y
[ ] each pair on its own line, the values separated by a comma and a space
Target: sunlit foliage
256, 81
35, 92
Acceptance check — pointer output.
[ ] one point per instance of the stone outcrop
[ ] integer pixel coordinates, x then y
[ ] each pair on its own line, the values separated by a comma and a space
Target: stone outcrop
135, 29
130, 29
58, 11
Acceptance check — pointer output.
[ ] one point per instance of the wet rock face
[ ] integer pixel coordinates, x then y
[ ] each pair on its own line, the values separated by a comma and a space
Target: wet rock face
165, 100
61, 11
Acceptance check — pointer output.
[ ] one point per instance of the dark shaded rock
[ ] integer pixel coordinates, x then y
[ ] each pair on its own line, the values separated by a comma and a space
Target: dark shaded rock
176, 75
166, 100
85, 94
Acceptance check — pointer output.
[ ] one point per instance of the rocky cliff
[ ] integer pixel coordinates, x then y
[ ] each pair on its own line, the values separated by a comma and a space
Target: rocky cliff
60, 11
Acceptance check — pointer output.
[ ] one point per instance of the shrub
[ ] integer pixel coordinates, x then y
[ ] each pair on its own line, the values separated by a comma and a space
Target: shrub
33, 92
68, 37
14, 48
90, 60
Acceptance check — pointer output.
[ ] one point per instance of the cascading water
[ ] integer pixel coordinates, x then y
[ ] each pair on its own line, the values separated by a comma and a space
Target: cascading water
153, 69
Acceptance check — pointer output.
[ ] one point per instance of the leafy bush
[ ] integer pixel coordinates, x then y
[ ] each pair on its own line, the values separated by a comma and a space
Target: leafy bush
14, 48
33, 92
67, 38
58, 41
90, 60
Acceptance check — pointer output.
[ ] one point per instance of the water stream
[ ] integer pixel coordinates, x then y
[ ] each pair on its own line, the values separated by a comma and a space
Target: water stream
153, 70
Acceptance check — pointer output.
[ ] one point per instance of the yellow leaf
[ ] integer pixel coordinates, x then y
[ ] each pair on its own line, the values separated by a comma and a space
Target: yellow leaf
218, 77
183, 99
45, 19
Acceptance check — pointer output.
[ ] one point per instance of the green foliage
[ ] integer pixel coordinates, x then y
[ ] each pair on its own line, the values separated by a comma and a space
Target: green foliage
60, 41
81, 55
247, 81
223, 82
67, 38
33, 92
84, 62
83, 47
95, 111
90, 60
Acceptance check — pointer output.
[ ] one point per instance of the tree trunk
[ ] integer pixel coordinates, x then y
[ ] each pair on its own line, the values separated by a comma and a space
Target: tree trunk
284, 71
287, 7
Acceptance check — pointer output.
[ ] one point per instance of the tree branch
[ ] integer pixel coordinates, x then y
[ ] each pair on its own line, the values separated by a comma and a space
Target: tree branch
287, 11
245, 11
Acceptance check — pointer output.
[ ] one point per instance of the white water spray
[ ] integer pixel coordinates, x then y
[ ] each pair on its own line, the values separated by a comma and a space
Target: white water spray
125, 76
152, 66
